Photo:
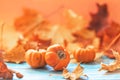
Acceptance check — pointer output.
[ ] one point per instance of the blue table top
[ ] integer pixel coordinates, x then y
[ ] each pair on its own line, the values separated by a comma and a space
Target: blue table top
47, 73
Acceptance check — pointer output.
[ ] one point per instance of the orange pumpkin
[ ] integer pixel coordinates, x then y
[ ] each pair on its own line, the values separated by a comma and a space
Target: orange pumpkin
84, 55
35, 58
57, 57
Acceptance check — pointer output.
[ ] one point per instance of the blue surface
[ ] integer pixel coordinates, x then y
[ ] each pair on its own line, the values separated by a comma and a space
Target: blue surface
48, 73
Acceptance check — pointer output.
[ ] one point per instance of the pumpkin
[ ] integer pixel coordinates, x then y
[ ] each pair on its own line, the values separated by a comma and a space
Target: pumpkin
35, 58
57, 57
84, 55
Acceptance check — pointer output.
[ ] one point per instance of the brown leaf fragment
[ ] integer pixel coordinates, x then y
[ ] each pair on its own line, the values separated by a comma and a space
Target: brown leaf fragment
77, 72
112, 66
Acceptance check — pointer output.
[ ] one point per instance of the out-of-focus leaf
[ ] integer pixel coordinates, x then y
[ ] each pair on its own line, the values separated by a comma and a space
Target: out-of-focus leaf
114, 65
99, 19
75, 74
74, 21
15, 55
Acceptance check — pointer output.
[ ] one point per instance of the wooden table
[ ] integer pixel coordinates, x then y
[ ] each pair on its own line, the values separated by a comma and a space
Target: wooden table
47, 73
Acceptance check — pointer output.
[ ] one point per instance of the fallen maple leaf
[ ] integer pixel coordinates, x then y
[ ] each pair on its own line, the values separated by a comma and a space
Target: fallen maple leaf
114, 65
75, 74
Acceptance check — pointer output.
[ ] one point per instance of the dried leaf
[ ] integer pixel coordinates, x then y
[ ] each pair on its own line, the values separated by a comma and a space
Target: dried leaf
61, 35
15, 55
77, 26
66, 73
99, 19
37, 43
110, 33
4, 71
77, 72
74, 21
113, 45
30, 22
23, 22
114, 65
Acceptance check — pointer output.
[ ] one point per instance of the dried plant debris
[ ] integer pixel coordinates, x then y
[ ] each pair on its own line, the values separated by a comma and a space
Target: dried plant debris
77, 72
113, 66
5, 72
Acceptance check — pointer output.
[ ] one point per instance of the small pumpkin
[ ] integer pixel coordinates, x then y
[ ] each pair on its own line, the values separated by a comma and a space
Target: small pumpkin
84, 55
57, 57
35, 59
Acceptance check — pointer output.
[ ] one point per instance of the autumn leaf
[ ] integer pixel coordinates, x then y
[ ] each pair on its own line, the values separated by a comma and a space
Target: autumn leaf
23, 22
74, 22
111, 39
110, 33
61, 35
77, 26
35, 42
75, 74
99, 19
114, 65
15, 55
29, 22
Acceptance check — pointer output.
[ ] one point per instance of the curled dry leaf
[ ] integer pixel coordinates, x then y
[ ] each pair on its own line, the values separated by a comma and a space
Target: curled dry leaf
113, 66
75, 74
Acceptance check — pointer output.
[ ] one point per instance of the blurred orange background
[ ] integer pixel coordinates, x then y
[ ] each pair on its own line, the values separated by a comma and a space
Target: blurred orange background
10, 9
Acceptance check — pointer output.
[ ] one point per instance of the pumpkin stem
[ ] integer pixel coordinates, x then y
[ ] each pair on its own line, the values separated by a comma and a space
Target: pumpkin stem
61, 54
